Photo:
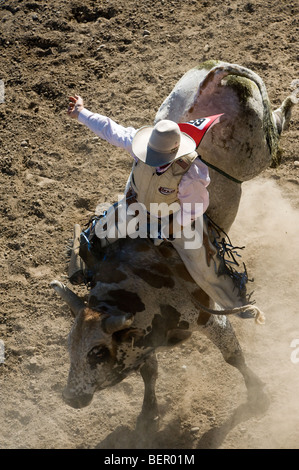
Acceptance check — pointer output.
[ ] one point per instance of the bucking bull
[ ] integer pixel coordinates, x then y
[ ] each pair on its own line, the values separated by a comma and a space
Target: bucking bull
141, 296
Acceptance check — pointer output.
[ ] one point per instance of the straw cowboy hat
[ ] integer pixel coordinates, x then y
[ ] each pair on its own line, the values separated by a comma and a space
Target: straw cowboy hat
161, 144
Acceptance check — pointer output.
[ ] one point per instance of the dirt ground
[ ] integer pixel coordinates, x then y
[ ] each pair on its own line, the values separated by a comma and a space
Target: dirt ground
124, 57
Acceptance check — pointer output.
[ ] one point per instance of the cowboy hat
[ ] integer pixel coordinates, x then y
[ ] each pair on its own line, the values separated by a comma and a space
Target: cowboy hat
156, 146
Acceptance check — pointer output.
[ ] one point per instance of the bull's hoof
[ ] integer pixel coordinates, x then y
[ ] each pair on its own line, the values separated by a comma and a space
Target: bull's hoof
147, 425
258, 400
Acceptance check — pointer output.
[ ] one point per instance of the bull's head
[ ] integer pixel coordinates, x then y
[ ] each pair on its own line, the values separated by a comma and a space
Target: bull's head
92, 348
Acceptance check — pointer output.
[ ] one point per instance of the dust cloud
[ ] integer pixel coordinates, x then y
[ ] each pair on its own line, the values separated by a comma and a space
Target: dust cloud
267, 224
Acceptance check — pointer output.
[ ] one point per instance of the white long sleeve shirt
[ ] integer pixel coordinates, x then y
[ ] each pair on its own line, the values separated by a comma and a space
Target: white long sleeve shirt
193, 185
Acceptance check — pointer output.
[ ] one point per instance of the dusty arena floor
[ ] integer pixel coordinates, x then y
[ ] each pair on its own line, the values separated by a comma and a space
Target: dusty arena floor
124, 57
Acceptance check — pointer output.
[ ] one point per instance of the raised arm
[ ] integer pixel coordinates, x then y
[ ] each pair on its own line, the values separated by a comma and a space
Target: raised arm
102, 126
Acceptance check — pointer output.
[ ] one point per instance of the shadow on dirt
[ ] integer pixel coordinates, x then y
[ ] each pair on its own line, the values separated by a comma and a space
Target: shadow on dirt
172, 436
214, 437
125, 438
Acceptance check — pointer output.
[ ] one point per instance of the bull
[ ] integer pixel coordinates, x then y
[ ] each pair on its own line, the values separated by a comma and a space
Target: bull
142, 298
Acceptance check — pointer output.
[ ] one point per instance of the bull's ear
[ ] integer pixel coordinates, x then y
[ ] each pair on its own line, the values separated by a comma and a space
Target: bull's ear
130, 334
117, 322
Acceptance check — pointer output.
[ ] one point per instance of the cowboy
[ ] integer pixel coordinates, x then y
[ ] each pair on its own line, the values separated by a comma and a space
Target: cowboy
166, 168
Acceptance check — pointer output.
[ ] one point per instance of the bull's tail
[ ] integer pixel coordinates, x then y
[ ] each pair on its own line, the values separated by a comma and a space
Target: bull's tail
251, 309
282, 115
222, 70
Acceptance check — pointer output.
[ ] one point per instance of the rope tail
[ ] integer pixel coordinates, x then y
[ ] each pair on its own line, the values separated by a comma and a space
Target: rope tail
252, 309
227, 255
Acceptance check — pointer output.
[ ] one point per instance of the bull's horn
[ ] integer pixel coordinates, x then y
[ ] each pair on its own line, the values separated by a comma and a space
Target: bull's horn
116, 323
76, 264
73, 301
